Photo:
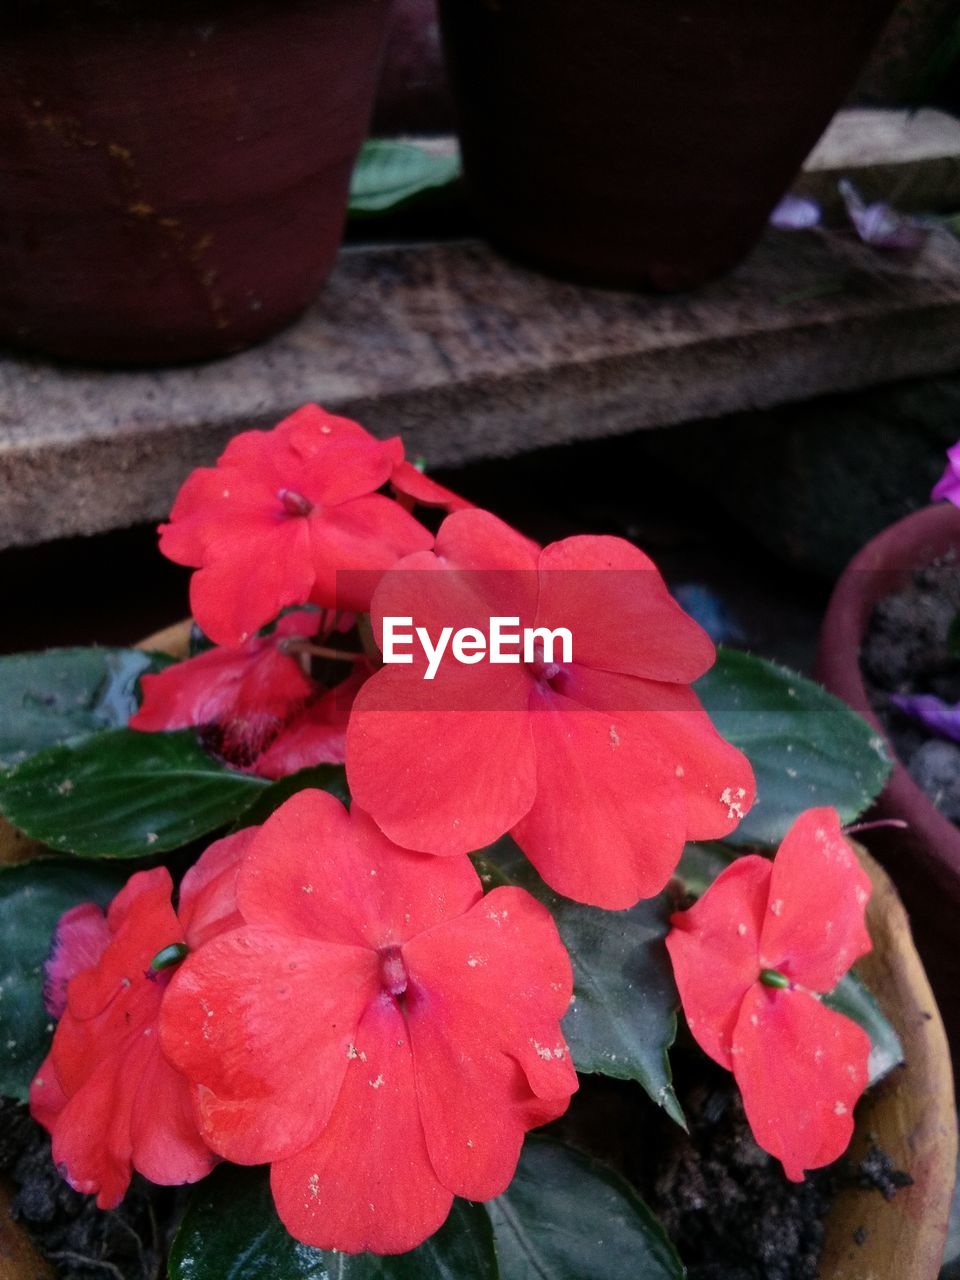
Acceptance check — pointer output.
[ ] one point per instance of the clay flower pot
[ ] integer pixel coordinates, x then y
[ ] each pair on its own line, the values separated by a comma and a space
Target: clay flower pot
911, 1115
637, 143
174, 178
923, 860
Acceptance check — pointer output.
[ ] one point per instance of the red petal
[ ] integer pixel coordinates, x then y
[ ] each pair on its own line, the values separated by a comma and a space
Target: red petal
133, 1111
116, 992
714, 949
443, 780
410, 480
251, 580
317, 871
475, 539
716, 779
609, 821
262, 1024
337, 459
252, 691
487, 992
215, 504
366, 1183
319, 734
814, 928
208, 892
79, 940
47, 1099
801, 1068
617, 607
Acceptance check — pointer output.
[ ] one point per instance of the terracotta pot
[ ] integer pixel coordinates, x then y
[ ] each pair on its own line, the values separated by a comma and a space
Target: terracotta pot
911, 1115
637, 143
924, 860
174, 177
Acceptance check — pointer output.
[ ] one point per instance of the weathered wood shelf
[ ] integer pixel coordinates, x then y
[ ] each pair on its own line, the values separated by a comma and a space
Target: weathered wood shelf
470, 356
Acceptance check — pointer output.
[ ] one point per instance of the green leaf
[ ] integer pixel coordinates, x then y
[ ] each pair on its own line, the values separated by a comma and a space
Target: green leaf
623, 1018
807, 747
231, 1231
389, 174
324, 777
33, 896
565, 1217
852, 998
64, 695
124, 794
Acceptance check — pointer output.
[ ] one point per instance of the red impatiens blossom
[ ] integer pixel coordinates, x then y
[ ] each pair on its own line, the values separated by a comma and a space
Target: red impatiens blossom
284, 511
601, 767
106, 1093
380, 1031
750, 959
256, 706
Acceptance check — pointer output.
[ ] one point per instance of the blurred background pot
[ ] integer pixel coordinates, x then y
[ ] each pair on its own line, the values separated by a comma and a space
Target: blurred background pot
637, 143
924, 860
174, 177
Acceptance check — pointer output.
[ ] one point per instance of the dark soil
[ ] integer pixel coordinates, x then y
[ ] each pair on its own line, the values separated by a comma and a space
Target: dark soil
906, 651
726, 1204
83, 1243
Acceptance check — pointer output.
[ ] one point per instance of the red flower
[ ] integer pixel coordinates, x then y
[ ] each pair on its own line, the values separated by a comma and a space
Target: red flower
750, 959
106, 1093
282, 511
601, 768
255, 706
381, 1032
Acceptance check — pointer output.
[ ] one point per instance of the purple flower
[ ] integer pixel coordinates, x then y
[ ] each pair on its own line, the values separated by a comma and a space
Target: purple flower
938, 716
795, 213
879, 224
948, 486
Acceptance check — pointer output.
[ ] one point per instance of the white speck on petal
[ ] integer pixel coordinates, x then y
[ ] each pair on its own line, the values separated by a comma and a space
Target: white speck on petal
375, 1084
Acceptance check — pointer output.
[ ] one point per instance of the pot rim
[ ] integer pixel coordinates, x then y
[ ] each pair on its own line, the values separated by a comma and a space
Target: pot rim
880, 568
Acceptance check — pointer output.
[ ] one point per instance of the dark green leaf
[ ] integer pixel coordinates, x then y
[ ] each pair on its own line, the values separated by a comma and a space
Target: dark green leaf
124, 794
701, 864
807, 748
33, 896
623, 1018
565, 1217
389, 173
852, 998
325, 777
63, 695
231, 1232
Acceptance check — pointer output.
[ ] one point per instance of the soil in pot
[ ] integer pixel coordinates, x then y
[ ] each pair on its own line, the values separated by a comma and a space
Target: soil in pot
906, 650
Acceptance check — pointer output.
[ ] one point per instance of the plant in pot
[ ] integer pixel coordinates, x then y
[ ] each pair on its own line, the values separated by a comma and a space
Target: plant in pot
887, 647
432, 831
173, 179
638, 144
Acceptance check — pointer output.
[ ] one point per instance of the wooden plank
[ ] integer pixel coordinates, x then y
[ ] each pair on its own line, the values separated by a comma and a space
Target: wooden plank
470, 357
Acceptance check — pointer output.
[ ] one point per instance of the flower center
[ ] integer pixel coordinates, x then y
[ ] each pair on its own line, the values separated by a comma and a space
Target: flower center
295, 504
393, 971
539, 668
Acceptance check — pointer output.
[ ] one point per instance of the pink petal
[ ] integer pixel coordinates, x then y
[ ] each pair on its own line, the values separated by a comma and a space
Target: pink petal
617, 607
714, 950
79, 940
317, 871
609, 821
801, 1069
367, 1183
261, 1023
814, 927
948, 486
